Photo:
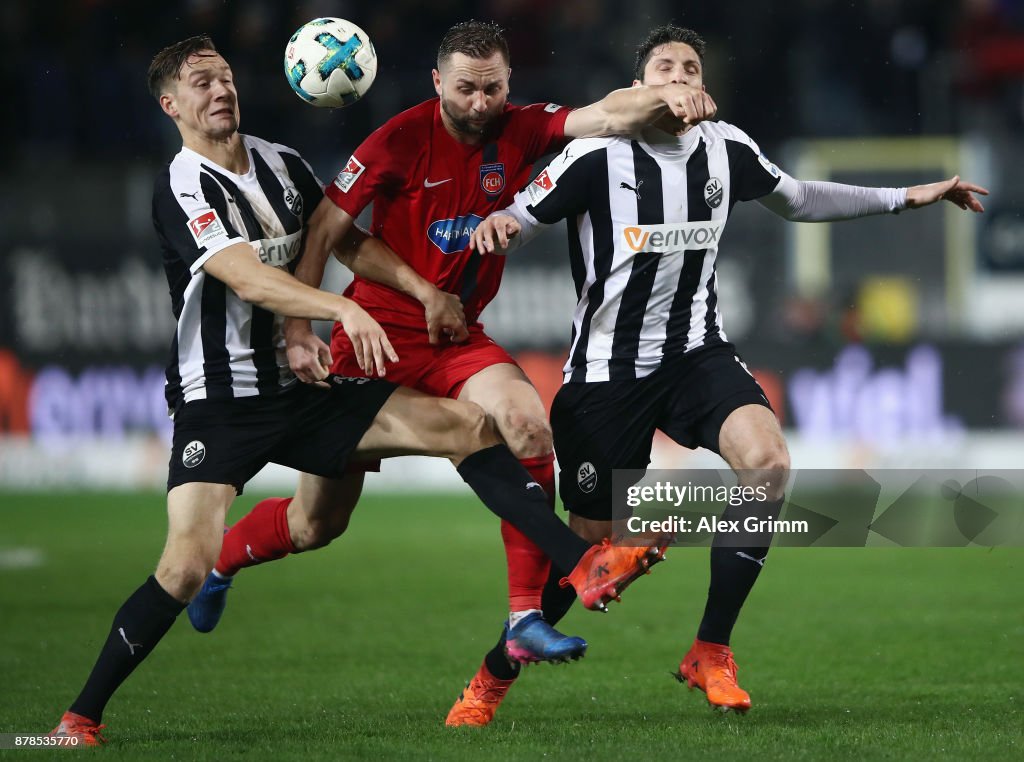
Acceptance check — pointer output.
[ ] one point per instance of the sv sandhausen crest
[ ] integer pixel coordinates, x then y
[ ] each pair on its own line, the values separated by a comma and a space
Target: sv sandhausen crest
586, 477
713, 192
293, 199
193, 454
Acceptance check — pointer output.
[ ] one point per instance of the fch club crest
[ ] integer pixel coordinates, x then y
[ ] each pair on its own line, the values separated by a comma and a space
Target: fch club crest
492, 178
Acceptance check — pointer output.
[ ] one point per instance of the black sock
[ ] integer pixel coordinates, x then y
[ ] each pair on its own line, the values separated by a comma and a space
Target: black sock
137, 628
500, 481
735, 566
498, 664
556, 602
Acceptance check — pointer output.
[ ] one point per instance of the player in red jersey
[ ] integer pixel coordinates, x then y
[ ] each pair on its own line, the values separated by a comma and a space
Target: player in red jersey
433, 173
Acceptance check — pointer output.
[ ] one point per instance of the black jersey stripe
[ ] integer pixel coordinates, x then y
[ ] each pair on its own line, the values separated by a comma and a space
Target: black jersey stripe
603, 256
274, 191
253, 229
711, 318
650, 210
305, 182
213, 329
697, 176
170, 221
213, 320
217, 197
471, 272
172, 389
264, 356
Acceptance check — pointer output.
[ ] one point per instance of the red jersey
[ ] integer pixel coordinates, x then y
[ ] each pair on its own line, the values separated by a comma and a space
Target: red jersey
429, 192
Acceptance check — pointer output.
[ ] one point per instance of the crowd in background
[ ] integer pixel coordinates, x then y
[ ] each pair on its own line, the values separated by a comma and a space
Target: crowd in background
76, 70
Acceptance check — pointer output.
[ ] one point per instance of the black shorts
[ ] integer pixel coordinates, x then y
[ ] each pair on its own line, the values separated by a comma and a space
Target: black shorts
604, 425
308, 428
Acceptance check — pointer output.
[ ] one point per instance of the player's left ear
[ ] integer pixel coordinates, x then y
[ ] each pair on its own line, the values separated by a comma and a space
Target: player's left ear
168, 106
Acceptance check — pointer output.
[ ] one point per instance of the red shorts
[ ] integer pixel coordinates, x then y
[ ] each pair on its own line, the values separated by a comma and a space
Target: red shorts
438, 370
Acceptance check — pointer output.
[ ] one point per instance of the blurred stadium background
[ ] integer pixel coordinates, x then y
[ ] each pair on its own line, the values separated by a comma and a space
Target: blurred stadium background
883, 342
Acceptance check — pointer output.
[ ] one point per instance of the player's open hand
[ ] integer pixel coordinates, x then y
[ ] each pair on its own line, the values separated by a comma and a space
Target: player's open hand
494, 233
445, 317
308, 356
369, 342
688, 103
953, 190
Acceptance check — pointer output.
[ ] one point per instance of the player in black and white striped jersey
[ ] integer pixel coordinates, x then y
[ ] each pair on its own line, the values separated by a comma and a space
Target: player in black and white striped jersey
649, 350
200, 209
230, 213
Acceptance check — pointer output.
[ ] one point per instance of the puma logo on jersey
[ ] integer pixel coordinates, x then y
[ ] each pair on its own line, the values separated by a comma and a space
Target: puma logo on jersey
636, 190
193, 196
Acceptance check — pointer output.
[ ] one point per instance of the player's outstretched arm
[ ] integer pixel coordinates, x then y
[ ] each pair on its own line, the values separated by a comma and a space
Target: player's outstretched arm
817, 201
626, 110
370, 258
954, 190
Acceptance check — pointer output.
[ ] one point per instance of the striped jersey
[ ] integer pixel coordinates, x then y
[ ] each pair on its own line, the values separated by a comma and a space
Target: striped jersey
645, 215
225, 347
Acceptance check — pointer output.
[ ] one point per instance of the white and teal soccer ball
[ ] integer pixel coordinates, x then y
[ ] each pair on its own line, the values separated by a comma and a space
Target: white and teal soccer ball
330, 62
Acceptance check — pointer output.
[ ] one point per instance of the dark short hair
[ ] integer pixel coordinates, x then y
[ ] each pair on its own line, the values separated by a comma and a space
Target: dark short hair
476, 39
661, 35
166, 65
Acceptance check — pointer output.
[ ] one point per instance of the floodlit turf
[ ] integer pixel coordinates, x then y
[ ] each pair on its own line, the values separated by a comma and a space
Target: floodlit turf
358, 650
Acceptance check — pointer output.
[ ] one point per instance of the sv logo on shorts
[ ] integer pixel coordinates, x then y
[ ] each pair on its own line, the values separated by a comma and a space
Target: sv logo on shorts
193, 454
339, 380
586, 476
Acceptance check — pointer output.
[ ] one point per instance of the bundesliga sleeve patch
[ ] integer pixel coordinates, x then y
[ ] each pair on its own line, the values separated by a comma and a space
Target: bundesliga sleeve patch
769, 167
540, 188
552, 108
205, 227
348, 176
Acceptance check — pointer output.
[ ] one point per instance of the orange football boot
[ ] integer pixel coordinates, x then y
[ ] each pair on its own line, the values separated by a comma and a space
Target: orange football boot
607, 569
710, 667
479, 701
76, 726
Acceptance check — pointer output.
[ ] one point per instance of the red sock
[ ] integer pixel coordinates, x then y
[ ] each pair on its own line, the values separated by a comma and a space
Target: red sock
528, 567
261, 535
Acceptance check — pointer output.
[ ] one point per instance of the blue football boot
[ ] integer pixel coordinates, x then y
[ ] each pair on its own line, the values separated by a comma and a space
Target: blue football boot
533, 640
206, 608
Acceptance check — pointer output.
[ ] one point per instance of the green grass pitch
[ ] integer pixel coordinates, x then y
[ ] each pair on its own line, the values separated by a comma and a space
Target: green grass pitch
358, 650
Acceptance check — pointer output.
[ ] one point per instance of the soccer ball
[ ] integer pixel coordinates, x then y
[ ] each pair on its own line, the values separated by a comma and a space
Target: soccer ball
330, 62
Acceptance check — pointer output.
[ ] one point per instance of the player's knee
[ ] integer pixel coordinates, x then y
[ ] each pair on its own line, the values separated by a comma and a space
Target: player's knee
767, 465
475, 430
183, 578
527, 435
